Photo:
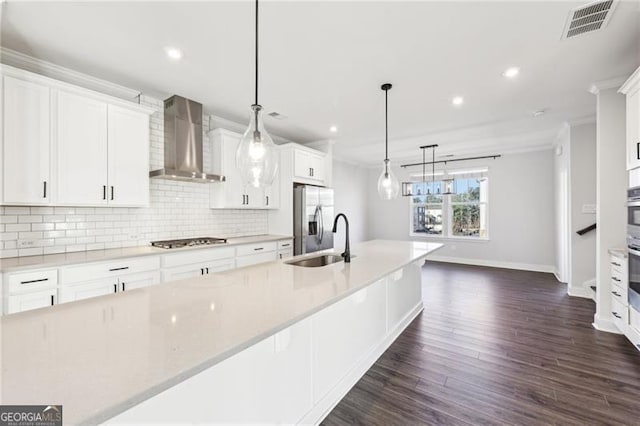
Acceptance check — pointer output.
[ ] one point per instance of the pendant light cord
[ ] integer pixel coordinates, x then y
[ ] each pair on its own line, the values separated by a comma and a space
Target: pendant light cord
386, 125
256, 97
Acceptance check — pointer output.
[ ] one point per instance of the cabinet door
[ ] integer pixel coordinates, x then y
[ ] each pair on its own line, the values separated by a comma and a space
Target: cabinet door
72, 293
316, 163
28, 301
182, 272
302, 164
285, 253
133, 281
128, 161
220, 265
82, 150
26, 159
230, 193
633, 130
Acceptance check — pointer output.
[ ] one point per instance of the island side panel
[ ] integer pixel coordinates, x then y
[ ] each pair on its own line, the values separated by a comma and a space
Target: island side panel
299, 374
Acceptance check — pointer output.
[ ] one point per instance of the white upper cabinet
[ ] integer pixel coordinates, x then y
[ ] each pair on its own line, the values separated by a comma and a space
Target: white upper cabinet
308, 166
26, 134
128, 159
66, 145
632, 90
233, 193
82, 151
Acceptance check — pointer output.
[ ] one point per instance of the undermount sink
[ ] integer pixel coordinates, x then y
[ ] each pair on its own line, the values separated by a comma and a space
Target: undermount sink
317, 261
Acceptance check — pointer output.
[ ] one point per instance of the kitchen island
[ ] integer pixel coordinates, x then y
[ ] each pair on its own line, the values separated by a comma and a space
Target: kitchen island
270, 343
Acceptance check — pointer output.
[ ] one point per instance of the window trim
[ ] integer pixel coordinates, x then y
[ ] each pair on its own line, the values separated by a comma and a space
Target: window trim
446, 212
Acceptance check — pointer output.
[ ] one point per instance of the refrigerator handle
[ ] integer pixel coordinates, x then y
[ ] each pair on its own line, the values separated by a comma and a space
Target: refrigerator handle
321, 223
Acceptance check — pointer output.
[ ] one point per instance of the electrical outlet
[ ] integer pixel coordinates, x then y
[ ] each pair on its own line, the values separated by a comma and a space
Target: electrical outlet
134, 237
26, 243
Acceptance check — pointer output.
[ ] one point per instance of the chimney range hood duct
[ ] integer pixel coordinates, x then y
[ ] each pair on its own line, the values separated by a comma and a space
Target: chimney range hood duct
183, 143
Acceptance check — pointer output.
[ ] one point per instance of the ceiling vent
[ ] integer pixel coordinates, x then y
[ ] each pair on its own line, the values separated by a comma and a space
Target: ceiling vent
277, 115
591, 17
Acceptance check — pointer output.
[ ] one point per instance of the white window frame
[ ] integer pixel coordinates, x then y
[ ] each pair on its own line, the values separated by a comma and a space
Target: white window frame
447, 211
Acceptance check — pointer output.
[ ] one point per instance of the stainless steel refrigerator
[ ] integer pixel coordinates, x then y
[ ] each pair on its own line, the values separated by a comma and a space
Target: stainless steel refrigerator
312, 219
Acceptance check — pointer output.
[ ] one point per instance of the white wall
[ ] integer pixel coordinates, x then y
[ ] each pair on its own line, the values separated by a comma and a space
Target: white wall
611, 193
562, 191
521, 215
350, 184
583, 191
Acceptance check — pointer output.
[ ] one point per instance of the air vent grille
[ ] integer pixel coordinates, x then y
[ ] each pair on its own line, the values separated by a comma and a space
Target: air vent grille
277, 115
588, 18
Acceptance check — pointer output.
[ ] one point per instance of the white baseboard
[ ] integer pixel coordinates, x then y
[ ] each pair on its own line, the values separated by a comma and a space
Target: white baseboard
329, 402
495, 264
555, 274
605, 325
579, 292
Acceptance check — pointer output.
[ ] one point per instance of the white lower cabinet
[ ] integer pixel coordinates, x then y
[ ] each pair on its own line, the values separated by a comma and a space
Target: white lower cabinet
86, 290
28, 301
285, 249
133, 281
193, 270
30, 290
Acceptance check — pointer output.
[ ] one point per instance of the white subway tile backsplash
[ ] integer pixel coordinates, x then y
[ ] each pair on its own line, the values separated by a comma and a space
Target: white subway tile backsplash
177, 210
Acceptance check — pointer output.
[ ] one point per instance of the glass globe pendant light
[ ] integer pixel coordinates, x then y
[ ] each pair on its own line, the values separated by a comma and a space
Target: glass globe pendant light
256, 155
388, 184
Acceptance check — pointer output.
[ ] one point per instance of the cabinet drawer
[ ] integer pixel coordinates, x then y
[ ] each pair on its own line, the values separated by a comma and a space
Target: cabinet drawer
620, 314
619, 278
29, 301
24, 282
256, 248
285, 244
285, 253
619, 294
191, 257
618, 266
114, 268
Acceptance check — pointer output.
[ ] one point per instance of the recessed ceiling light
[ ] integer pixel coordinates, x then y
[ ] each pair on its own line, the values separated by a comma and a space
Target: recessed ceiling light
539, 112
333, 129
457, 100
173, 53
511, 72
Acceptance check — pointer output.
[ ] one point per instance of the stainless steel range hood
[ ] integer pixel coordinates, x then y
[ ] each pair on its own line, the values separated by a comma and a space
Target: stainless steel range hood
183, 143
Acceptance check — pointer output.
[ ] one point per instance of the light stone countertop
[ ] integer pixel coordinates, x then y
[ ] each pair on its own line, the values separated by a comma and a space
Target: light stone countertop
100, 356
619, 252
56, 260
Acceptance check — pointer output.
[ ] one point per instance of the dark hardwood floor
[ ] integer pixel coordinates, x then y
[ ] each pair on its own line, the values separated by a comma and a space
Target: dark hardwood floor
497, 346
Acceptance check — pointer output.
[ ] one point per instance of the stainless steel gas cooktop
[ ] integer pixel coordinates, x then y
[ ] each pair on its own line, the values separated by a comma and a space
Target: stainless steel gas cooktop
188, 242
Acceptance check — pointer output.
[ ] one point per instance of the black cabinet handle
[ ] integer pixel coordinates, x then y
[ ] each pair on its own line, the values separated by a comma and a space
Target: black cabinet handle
104, 192
52, 300
285, 245
615, 314
119, 269
247, 199
615, 264
615, 279
267, 199
201, 271
638, 151
258, 248
34, 281
112, 192
44, 195
616, 293
123, 287
207, 270
115, 288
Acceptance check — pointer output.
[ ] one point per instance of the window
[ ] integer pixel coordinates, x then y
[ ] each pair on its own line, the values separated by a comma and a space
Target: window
463, 214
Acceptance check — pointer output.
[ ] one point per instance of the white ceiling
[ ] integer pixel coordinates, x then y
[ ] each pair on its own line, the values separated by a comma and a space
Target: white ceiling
322, 64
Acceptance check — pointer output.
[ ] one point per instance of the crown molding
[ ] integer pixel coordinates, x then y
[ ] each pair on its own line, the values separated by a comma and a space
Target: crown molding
589, 119
38, 66
612, 83
632, 81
